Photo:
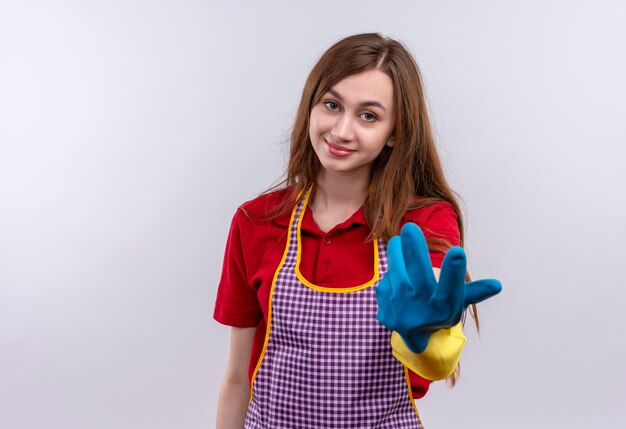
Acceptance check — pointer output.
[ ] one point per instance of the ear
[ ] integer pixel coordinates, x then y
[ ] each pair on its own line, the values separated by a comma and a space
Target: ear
391, 142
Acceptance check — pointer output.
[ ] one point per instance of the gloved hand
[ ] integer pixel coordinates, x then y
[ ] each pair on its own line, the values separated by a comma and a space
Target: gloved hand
412, 302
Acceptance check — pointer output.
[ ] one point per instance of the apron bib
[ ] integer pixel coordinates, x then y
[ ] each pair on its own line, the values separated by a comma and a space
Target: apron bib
326, 361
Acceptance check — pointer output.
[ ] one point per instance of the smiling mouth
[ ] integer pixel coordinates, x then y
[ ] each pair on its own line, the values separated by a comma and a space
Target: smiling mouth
338, 151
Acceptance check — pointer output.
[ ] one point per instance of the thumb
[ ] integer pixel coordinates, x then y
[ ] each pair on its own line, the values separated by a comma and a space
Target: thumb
481, 290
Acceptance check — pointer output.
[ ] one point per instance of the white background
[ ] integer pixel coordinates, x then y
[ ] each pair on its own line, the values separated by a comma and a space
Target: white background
131, 130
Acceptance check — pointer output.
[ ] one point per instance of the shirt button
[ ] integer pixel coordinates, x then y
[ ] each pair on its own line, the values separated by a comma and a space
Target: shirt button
327, 240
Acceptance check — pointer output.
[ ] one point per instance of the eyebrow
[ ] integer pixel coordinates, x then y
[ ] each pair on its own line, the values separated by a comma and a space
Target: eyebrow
365, 103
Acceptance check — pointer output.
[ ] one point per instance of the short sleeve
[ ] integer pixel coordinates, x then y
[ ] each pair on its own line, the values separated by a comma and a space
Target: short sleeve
237, 303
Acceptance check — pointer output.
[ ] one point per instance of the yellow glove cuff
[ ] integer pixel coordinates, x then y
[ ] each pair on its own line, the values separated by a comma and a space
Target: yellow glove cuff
440, 358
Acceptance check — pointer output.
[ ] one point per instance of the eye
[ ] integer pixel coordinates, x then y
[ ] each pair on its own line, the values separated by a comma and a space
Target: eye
331, 105
368, 116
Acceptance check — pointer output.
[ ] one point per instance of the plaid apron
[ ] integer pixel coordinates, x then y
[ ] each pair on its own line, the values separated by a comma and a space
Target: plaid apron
326, 361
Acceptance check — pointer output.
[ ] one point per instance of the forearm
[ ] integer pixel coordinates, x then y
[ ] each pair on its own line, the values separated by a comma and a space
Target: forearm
235, 391
233, 404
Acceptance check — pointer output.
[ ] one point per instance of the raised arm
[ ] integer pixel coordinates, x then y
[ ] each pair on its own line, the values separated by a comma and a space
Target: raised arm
424, 307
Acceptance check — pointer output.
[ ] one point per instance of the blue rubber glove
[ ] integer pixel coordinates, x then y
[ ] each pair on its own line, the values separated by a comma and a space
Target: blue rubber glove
412, 302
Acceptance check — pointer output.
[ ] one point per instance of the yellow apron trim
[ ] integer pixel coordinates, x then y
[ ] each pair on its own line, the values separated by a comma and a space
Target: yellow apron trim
269, 308
330, 289
410, 389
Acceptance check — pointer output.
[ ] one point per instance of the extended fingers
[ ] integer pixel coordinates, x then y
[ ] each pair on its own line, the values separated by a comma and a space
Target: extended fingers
396, 272
386, 313
481, 290
417, 259
452, 277
383, 292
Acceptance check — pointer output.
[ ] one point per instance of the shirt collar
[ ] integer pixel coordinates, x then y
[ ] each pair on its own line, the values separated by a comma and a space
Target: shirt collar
309, 225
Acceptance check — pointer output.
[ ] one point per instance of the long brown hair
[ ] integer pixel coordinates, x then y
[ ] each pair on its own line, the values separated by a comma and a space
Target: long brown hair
408, 175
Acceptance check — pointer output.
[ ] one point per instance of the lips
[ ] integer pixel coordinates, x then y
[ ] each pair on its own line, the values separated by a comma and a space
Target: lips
337, 150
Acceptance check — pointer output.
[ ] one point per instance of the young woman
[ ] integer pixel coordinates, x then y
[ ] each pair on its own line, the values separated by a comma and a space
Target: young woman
336, 324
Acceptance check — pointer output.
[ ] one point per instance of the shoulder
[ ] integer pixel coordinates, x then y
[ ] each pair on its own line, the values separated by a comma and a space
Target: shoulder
274, 206
257, 222
431, 212
438, 219
267, 201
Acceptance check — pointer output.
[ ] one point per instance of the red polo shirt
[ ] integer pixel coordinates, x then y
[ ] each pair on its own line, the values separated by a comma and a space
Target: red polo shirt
341, 257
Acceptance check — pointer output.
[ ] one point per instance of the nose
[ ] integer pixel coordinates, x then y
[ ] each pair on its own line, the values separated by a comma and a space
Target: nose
343, 128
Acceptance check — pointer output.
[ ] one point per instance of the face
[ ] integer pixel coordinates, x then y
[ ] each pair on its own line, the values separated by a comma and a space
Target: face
352, 122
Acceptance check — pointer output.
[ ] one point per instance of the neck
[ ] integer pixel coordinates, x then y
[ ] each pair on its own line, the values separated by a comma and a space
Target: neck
340, 191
